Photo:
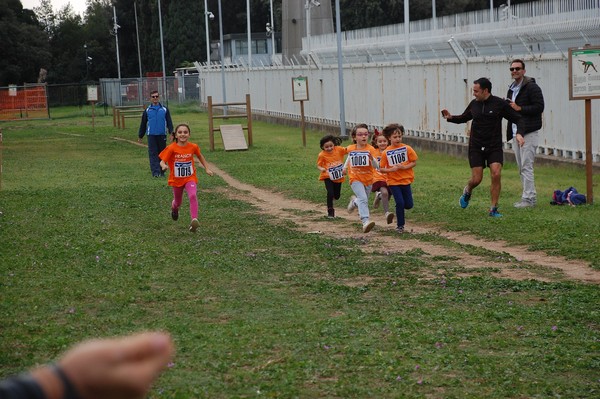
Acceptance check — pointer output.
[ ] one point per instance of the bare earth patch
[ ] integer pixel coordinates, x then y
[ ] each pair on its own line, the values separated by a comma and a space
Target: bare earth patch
310, 218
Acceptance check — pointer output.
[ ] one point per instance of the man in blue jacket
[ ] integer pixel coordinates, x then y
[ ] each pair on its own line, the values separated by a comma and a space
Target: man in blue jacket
156, 124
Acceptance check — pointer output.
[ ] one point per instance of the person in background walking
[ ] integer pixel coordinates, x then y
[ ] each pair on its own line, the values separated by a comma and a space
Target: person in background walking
156, 124
525, 97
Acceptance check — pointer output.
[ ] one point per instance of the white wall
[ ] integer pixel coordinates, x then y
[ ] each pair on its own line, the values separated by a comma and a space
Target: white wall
413, 95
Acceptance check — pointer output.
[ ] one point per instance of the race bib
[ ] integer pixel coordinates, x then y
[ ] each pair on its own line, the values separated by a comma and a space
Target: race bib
359, 159
335, 172
183, 169
397, 156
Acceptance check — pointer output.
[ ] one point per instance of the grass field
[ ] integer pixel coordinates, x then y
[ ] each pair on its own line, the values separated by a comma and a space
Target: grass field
260, 309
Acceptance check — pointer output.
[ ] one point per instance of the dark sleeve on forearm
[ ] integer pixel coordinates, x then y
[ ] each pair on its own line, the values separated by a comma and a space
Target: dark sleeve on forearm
21, 387
464, 117
143, 125
169, 121
514, 117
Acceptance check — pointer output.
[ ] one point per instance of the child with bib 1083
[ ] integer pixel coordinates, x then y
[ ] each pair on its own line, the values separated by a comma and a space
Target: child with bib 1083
361, 164
397, 163
178, 157
330, 162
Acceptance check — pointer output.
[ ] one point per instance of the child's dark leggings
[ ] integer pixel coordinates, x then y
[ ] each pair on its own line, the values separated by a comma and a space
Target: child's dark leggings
404, 200
334, 191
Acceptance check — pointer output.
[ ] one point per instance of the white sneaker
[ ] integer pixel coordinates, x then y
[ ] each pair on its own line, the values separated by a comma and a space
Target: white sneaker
368, 226
524, 204
194, 225
352, 204
377, 200
389, 217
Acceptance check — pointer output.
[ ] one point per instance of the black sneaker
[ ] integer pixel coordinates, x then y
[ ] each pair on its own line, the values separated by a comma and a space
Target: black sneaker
331, 213
175, 214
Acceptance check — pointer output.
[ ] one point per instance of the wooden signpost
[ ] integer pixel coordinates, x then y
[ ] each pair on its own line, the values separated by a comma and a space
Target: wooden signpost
584, 84
300, 93
92, 96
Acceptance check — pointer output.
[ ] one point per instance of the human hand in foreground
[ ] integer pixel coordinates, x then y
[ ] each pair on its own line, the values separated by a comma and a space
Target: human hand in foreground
116, 368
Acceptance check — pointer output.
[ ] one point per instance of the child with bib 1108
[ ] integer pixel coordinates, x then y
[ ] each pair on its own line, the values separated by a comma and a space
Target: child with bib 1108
397, 163
361, 164
178, 157
330, 162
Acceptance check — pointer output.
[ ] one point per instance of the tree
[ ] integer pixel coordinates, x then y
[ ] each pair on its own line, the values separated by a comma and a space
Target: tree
24, 45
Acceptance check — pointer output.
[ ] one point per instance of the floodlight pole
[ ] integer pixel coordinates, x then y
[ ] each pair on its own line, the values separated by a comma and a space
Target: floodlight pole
162, 52
338, 28
207, 34
115, 31
222, 48
272, 33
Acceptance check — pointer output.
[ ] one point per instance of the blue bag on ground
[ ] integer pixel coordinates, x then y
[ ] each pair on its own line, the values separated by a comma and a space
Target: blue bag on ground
568, 197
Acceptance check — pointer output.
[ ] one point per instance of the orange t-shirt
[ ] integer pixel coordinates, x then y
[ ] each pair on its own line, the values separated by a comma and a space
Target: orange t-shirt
360, 167
181, 163
377, 175
395, 155
333, 162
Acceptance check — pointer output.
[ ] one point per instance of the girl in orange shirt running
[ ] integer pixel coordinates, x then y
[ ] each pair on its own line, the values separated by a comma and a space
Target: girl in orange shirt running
330, 162
380, 187
397, 162
178, 157
361, 164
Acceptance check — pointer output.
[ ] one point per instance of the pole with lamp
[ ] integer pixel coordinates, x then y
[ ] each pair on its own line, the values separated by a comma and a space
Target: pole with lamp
271, 32
222, 51
115, 32
207, 15
162, 52
308, 6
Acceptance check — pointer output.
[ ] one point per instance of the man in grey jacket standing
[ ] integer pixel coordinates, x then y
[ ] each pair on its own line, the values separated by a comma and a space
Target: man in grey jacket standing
525, 97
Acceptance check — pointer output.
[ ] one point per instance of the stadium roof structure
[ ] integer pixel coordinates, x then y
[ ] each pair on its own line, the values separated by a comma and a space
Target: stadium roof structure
541, 29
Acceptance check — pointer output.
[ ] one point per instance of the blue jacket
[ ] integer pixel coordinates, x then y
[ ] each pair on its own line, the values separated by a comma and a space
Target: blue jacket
156, 121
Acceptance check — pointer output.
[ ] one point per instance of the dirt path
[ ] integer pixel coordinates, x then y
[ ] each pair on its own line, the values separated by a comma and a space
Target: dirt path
309, 218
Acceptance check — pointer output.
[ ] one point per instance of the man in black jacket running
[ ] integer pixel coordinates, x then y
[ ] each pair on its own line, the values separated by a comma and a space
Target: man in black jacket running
485, 140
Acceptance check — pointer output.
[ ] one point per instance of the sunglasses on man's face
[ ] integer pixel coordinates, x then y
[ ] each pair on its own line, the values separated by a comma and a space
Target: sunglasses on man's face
515, 69
154, 96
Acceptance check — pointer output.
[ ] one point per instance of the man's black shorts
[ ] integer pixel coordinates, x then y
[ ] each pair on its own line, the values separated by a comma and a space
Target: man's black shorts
484, 156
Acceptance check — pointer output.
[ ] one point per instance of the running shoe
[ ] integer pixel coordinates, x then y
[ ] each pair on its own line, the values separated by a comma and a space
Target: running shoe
400, 229
194, 225
494, 212
464, 199
368, 226
377, 200
174, 214
352, 204
389, 217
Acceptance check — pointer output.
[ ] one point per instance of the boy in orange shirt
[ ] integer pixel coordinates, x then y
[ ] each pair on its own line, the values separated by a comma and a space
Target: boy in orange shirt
178, 157
397, 162
330, 162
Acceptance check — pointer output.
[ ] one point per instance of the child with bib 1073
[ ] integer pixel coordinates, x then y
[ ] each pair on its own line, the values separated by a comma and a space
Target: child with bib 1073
178, 157
330, 162
397, 163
